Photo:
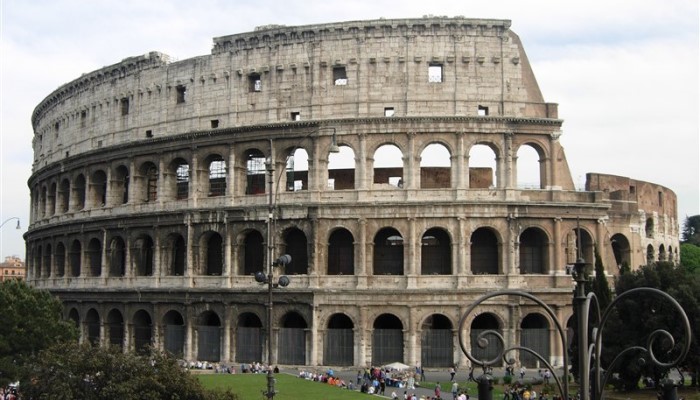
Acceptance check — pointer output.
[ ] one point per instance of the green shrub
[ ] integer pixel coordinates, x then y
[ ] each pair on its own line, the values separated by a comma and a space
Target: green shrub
508, 379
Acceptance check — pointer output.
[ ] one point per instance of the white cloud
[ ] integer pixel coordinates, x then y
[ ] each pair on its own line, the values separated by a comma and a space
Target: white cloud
624, 73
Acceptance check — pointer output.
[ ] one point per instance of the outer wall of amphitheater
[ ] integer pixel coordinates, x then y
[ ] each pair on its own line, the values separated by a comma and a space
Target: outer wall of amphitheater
155, 182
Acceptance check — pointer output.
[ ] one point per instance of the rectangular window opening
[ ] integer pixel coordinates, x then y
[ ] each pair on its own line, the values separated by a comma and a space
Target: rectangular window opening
388, 111
149, 133
435, 73
340, 77
214, 123
181, 93
483, 111
661, 198
632, 189
83, 118
124, 105
296, 116
254, 83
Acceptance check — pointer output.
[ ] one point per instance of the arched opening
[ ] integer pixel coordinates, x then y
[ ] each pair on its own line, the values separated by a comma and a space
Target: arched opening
63, 196
297, 170
249, 344
387, 340
388, 166
586, 250
79, 192
255, 172
74, 316
98, 189
484, 252
534, 335
650, 254
341, 253
52, 199
115, 328
217, 175
297, 247
483, 169
38, 260
120, 185
292, 339
437, 347
662, 253
42, 202
649, 228
388, 252
339, 345
174, 333
94, 252
60, 260
179, 179
436, 252
143, 256
530, 169
213, 252
46, 270
621, 249
253, 253
143, 331
485, 326
117, 257
178, 255
75, 256
92, 325
533, 251
341, 169
209, 337
149, 173
435, 167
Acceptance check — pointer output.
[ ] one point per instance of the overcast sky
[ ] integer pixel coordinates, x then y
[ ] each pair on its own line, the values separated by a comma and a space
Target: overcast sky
625, 73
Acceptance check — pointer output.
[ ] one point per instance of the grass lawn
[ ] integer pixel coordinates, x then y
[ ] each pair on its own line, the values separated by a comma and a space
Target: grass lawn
288, 387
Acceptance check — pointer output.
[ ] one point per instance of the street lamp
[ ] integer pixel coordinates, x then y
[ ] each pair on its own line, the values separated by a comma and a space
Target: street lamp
10, 219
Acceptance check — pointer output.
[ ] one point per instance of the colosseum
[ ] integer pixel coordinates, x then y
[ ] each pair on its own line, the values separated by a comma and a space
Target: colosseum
160, 188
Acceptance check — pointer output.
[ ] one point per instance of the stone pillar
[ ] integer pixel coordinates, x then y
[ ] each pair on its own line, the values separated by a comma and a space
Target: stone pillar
364, 340
104, 271
190, 319
362, 165
231, 172
511, 253
133, 187
600, 243
413, 259
460, 167
509, 163
558, 254
553, 181
463, 262
228, 318
157, 251
314, 339
189, 268
228, 269
361, 252
411, 173
410, 341
193, 187
160, 189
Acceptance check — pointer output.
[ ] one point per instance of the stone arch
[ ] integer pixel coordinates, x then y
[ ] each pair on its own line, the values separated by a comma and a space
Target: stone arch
60, 258
650, 254
148, 190
249, 333
436, 252
483, 166
75, 257
143, 331
253, 254
534, 334
388, 252
48, 258
94, 255
38, 260
531, 168
621, 249
74, 315
176, 254
296, 245
587, 245
292, 339
174, 333
78, 189
387, 339
211, 253
485, 257
120, 185
341, 169
534, 251
92, 326
297, 170
52, 199
216, 167
98, 189
255, 171
142, 253
437, 347
339, 342
63, 196
649, 227
435, 167
341, 253
115, 328
490, 347
178, 179
388, 165
662, 253
117, 257
209, 336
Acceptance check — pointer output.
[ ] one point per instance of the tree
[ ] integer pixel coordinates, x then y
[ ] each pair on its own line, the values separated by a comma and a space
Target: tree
691, 230
600, 283
88, 372
690, 257
636, 318
31, 321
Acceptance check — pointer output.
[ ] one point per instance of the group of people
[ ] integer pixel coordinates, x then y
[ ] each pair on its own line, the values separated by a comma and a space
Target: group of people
327, 377
9, 393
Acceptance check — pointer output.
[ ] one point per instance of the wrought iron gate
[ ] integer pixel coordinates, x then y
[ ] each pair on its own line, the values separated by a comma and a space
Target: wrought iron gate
248, 345
387, 346
437, 348
338, 347
208, 343
175, 339
538, 340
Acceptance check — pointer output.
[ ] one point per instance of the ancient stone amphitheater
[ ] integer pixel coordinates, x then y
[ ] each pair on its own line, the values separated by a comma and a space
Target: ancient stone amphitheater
160, 187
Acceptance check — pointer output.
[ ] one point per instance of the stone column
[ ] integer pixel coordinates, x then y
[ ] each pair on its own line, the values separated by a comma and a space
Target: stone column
193, 187
227, 356
558, 254
160, 189
509, 162
599, 243
104, 272
189, 268
364, 339
411, 173
231, 173
362, 162
361, 252
552, 164
413, 260
410, 332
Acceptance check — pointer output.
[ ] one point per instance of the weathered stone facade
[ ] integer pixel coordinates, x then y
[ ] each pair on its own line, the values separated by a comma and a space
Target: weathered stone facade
150, 196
